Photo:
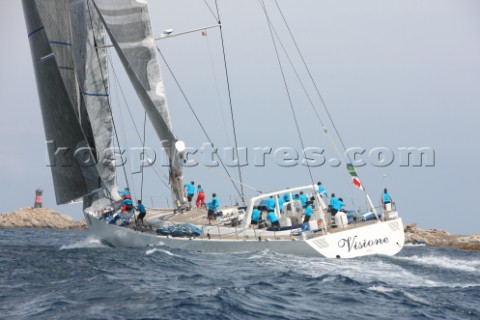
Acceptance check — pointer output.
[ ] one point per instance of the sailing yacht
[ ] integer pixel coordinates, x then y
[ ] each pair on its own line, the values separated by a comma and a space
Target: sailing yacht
68, 41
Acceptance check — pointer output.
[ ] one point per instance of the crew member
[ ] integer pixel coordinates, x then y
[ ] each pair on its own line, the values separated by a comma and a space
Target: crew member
321, 190
308, 212
200, 197
333, 205
212, 208
142, 212
303, 198
272, 217
387, 200
256, 215
190, 193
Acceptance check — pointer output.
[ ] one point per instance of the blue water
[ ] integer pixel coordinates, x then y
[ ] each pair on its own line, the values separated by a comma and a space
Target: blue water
55, 274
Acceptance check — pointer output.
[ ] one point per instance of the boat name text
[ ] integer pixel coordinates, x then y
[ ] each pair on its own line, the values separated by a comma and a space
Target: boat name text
355, 244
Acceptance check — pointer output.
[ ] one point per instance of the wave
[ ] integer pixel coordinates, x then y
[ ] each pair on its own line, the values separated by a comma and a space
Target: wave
445, 262
367, 270
153, 250
90, 242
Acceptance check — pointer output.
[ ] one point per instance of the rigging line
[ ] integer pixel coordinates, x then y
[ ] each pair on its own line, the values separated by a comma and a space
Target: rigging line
211, 11
196, 117
262, 3
142, 141
228, 177
231, 104
105, 87
347, 156
122, 124
143, 152
156, 171
313, 81
330, 139
125, 101
219, 101
332, 142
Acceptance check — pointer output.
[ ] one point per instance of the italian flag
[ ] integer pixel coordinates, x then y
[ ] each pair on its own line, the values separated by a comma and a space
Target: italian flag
355, 180
204, 33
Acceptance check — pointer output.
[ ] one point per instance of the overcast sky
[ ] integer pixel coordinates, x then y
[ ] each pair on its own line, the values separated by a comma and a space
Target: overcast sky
393, 74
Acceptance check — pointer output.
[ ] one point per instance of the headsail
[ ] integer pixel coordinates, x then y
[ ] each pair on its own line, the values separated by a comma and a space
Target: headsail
90, 63
72, 163
129, 27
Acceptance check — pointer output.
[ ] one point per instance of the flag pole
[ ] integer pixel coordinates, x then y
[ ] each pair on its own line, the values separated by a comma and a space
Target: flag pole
358, 184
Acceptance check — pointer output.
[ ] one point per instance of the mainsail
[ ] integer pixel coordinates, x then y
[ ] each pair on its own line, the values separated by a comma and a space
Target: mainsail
129, 27
71, 160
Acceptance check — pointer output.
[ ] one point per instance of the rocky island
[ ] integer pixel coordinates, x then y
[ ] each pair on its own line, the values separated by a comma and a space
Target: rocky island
39, 218
440, 238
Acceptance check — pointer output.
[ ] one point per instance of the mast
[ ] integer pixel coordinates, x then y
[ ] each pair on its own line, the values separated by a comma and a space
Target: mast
128, 25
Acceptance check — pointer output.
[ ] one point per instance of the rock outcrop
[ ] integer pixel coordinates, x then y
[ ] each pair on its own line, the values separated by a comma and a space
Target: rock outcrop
39, 218
440, 238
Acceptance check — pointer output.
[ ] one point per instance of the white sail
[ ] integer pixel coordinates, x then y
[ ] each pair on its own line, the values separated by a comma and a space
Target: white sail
90, 63
129, 27
55, 18
72, 163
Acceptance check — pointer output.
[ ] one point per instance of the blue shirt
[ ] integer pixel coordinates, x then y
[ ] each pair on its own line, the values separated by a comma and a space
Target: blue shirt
199, 189
308, 211
386, 197
127, 201
303, 198
141, 208
190, 188
271, 203
213, 205
321, 190
255, 215
338, 205
286, 197
333, 202
125, 194
272, 217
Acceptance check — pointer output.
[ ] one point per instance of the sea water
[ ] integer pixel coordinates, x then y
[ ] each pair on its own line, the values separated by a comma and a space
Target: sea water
55, 274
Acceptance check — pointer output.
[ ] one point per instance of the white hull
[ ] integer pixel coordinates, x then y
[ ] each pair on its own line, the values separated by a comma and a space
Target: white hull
386, 238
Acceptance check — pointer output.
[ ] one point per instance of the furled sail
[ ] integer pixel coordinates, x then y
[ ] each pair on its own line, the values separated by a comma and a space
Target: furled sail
71, 160
129, 27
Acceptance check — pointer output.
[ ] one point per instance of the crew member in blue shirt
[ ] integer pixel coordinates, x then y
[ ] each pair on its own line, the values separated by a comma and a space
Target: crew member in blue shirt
212, 208
386, 197
338, 205
142, 211
308, 212
126, 214
321, 190
303, 198
190, 192
273, 219
256, 215
333, 204
271, 203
